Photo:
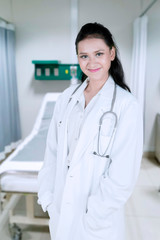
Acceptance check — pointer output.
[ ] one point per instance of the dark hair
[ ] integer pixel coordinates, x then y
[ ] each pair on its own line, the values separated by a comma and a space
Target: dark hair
96, 30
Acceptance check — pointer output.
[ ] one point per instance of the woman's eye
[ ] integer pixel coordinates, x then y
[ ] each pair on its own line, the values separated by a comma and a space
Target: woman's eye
83, 56
99, 54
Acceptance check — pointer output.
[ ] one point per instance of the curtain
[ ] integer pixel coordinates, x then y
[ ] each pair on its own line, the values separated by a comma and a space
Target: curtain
138, 67
10, 132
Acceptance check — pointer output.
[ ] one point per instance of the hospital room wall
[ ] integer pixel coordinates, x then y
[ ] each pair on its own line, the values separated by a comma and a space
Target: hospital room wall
43, 32
5, 10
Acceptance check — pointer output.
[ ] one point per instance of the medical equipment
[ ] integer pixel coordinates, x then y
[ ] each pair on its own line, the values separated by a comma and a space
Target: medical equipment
54, 70
18, 173
73, 73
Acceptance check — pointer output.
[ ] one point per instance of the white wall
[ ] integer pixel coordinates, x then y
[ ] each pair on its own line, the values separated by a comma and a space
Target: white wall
6, 10
43, 33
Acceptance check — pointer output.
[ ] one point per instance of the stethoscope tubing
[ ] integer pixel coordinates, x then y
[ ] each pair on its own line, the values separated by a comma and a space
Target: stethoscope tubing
100, 122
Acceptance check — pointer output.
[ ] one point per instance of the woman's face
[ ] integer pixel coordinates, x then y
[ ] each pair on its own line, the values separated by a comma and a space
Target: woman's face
94, 58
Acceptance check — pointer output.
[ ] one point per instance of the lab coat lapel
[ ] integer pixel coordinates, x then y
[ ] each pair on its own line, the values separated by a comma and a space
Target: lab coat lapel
64, 120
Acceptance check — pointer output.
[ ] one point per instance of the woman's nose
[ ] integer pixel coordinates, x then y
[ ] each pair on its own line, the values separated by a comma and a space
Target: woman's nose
92, 60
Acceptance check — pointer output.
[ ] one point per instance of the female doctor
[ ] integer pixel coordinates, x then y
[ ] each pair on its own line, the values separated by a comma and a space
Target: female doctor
94, 146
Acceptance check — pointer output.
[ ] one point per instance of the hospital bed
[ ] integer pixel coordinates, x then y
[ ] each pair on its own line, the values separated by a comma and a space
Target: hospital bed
18, 173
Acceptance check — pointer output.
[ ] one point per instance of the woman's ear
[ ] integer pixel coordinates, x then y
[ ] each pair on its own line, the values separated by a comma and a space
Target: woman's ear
113, 53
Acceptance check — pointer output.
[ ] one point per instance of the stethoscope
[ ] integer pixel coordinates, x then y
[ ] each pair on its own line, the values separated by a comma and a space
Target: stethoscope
112, 116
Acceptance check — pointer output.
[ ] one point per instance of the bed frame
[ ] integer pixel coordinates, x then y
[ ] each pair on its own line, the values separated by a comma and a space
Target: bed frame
18, 173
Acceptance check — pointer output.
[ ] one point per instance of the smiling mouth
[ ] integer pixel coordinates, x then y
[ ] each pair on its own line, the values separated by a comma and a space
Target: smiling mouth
94, 70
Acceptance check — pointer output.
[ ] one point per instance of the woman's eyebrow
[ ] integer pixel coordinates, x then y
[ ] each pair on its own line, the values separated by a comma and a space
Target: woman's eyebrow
99, 50
81, 53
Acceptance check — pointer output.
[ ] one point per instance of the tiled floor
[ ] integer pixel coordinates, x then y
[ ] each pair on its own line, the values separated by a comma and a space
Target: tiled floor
28, 233
142, 209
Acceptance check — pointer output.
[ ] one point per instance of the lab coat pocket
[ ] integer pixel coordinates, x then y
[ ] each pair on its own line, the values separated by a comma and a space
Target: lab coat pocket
104, 142
108, 124
106, 133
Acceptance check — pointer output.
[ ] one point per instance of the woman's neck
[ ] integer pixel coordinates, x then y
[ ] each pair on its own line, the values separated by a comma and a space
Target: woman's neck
94, 86
92, 89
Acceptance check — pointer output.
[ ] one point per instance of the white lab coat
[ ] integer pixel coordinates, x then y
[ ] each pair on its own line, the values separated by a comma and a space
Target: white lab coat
86, 202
